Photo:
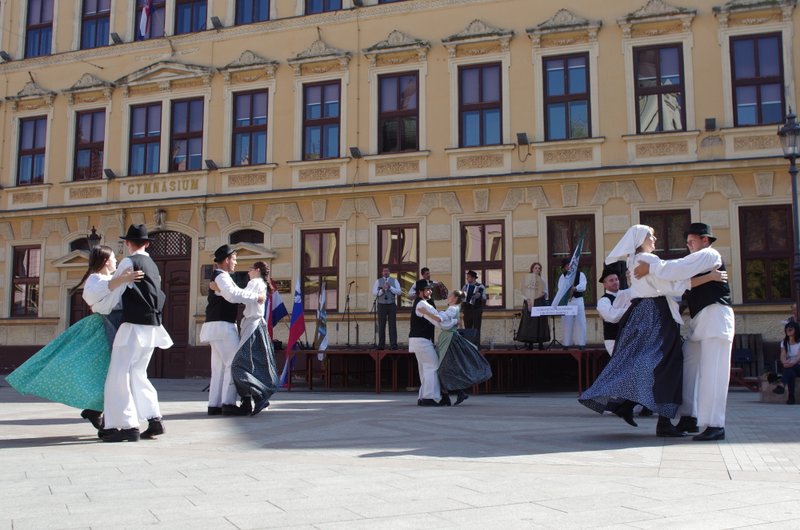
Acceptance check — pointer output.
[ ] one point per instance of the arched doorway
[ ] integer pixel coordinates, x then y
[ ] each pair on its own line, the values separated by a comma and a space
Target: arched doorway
172, 253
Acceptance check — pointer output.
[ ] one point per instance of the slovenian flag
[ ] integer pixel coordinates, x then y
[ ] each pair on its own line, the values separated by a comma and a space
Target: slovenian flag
144, 21
296, 329
274, 309
563, 295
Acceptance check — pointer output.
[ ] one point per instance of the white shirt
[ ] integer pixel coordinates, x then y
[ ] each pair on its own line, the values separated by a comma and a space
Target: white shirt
394, 288
612, 313
449, 318
652, 287
97, 295
252, 308
564, 286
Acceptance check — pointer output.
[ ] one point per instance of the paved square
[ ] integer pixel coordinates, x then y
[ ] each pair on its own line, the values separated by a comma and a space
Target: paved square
333, 460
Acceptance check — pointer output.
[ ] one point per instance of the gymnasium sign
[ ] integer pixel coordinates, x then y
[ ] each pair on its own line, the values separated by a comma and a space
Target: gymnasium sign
163, 187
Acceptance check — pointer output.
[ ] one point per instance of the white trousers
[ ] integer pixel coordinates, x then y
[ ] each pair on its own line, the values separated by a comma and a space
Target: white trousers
428, 362
574, 328
706, 371
221, 390
129, 395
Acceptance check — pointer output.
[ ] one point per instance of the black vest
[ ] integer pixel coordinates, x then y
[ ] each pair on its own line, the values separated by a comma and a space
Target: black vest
143, 303
418, 326
219, 309
577, 294
707, 294
610, 330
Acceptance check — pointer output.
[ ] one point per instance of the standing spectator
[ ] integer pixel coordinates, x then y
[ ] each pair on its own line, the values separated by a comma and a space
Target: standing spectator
472, 307
385, 290
573, 327
129, 395
534, 292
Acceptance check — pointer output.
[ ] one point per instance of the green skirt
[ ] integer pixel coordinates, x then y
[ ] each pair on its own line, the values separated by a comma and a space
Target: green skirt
72, 368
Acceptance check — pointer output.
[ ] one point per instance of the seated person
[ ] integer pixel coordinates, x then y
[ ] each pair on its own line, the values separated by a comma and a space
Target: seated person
790, 357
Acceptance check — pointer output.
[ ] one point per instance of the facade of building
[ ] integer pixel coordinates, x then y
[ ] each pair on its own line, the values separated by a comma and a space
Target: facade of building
335, 137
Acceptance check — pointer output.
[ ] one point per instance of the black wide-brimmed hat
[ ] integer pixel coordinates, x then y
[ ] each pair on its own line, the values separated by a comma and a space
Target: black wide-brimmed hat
700, 229
222, 253
422, 284
136, 233
608, 271
473, 274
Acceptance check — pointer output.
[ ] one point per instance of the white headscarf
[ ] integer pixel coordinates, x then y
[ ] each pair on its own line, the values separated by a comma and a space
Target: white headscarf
626, 248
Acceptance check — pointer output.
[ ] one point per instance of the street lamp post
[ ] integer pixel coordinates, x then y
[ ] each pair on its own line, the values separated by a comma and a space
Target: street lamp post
94, 238
790, 142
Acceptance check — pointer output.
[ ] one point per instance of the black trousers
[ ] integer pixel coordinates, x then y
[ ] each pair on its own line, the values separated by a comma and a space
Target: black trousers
472, 319
387, 312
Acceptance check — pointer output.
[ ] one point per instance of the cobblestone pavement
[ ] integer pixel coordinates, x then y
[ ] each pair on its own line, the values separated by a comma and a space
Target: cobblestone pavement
332, 460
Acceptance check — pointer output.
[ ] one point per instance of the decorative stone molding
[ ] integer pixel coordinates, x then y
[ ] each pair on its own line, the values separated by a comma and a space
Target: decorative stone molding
396, 46
480, 160
625, 190
247, 180
723, 184
54, 225
481, 200
483, 161
32, 96
569, 195
564, 28
219, 216
89, 86
741, 142
319, 58
764, 181
657, 12
398, 204
664, 188
396, 167
249, 67
137, 218
365, 206
318, 209
7, 231
314, 174
661, 149
246, 214
756, 143
26, 229
447, 200
478, 32
754, 12
533, 195
27, 197
185, 216
567, 156
674, 146
164, 76
323, 172
289, 210
84, 193
579, 153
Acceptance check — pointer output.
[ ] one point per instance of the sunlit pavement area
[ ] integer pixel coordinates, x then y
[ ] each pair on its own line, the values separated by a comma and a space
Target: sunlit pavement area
363, 460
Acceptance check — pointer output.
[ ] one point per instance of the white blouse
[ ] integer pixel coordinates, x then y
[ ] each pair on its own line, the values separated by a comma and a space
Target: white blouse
652, 287
99, 297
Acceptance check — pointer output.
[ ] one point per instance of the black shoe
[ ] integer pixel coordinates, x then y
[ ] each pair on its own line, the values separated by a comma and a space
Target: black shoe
233, 410
625, 411
665, 429
645, 412
445, 401
381, 347
427, 403
154, 428
779, 389
214, 411
261, 405
94, 416
711, 434
394, 348
790, 401
687, 424
121, 435
461, 396
247, 405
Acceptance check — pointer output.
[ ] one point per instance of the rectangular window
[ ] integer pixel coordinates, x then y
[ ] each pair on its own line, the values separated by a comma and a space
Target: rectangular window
482, 244
145, 139
563, 234
186, 141
31, 152
150, 19
398, 247
320, 263
39, 28
190, 16
321, 6
25, 282
321, 120
249, 11
249, 128
669, 227
95, 23
566, 97
757, 70
90, 132
766, 238
480, 105
398, 114
659, 89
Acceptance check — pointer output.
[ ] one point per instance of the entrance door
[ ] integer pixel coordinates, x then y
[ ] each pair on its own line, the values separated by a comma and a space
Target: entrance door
171, 251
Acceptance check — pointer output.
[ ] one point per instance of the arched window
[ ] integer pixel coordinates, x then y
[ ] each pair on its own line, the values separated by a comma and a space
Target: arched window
247, 236
81, 243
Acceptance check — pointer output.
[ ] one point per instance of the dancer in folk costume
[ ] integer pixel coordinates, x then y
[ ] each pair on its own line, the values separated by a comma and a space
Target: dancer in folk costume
72, 368
420, 343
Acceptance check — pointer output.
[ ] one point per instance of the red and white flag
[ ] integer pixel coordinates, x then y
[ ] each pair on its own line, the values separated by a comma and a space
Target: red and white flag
144, 21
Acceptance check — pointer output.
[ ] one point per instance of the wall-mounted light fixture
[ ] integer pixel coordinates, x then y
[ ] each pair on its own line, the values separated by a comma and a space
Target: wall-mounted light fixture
210, 164
5, 56
217, 23
109, 173
94, 238
355, 152
711, 124
115, 38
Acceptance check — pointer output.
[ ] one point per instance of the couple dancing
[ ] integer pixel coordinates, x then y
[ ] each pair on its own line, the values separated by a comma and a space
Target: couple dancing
453, 366
651, 365
241, 363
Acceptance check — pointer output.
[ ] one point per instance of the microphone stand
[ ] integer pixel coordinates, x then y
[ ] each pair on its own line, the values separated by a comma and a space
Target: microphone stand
346, 315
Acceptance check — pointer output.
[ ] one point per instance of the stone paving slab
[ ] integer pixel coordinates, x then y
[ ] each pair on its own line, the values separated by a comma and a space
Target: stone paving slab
329, 460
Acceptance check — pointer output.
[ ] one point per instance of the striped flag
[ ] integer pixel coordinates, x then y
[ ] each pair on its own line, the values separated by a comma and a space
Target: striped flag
563, 295
321, 335
144, 21
274, 310
296, 329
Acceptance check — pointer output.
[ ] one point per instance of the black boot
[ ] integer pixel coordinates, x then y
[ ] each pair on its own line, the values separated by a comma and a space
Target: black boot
445, 401
120, 435
687, 424
665, 429
461, 396
247, 405
625, 411
154, 428
94, 416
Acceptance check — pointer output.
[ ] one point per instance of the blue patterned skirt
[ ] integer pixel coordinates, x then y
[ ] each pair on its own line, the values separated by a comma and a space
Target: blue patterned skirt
253, 369
72, 368
647, 365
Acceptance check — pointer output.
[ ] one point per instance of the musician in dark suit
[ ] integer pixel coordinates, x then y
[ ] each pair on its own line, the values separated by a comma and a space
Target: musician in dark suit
472, 308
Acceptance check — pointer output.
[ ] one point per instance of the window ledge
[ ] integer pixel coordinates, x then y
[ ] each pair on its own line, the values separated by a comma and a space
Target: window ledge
396, 155
232, 170
659, 136
29, 187
569, 142
318, 163
756, 140
479, 149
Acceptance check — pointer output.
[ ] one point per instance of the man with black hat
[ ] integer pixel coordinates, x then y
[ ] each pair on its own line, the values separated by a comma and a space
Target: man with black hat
573, 327
707, 350
420, 343
472, 308
220, 331
129, 395
611, 306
